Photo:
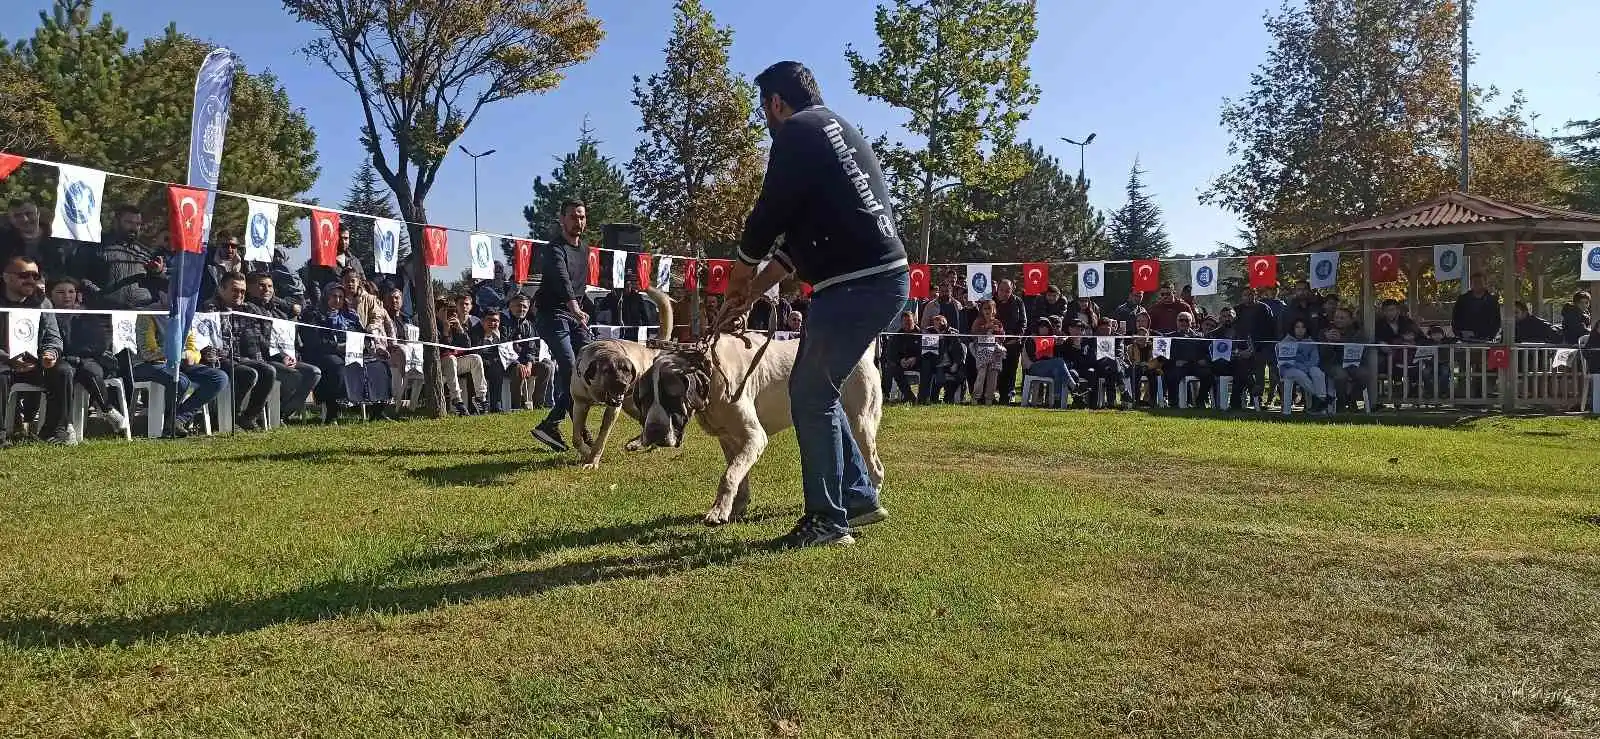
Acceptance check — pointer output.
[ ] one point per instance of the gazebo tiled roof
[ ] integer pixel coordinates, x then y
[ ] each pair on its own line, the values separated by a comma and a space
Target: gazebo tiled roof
1456, 214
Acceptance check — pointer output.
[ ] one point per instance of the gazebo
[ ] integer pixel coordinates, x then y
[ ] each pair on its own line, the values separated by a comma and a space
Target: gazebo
1462, 218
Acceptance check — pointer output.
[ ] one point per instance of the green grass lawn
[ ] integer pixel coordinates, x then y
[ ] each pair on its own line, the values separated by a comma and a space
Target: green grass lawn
1045, 573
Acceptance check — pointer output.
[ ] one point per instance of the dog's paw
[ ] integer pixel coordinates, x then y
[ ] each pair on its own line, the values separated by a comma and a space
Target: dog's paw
716, 518
592, 465
634, 446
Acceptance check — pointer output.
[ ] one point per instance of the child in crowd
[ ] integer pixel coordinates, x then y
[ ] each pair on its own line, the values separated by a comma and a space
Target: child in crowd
987, 353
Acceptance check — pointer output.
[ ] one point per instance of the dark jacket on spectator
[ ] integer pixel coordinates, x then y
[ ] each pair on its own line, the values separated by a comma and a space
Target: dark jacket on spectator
60, 257
86, 336
1477, 314
1188, 347
285, 281
1256, 322
952, 351
950, 309
328, 341
1013, 314
904, 346
514, 330
1043, 308
49, 330
1129, 313
1591, 352
1301, 310
477, 337
1574, 323
1533, 329
123, 279
1389, 333
319, 275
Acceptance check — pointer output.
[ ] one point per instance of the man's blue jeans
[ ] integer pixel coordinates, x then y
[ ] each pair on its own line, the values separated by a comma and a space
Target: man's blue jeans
563, 338
841, 325
206, 382
1054, 368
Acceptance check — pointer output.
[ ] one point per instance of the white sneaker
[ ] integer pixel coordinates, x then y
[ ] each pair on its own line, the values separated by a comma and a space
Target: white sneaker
118, 421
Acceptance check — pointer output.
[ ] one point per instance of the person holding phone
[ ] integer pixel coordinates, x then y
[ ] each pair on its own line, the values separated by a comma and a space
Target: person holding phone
39, 363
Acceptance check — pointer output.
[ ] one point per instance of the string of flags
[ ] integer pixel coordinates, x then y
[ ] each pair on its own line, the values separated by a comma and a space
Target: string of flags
79, 193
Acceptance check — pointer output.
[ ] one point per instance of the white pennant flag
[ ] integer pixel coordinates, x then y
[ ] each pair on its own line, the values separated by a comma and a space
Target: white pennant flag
1447, 262
619, 268
1589, 270
354, 345
207, 330
124, 331
1222, 350
482, 257
23, 334
1324, 270
283, 337
980, 286
78, 194
412, 349
663, 273
1163, 347
386, 246
260, 231
1092, 279
1203, 276
508, 355
1353, 354
538, 351
1105, 347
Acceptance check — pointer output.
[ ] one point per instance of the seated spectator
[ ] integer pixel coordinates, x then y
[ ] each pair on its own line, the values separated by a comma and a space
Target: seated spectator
42, 366
1392, 323
1575, 318
1110, 369
1591, 348
224, 257
493, 295
192, 388
1347, 374
797, 322
1299, 363
1083, 309
1532, 329
455, 363
530, 382
1039, 360
496, 361
1164, 314
1191, 358
325, 347
343, 259
296, 378
903, 355
1241, 364
1143, 366
988, 355
286, 282
943, 360
87, 350
1128, 313
401, 368
1051, 303
241, 351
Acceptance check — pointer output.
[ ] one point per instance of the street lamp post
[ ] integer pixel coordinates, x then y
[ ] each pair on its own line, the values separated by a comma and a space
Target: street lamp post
1081, 146
475, 158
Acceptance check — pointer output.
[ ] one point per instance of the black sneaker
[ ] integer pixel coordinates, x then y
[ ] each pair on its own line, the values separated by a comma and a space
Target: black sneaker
550, 436
808, 532
867, 517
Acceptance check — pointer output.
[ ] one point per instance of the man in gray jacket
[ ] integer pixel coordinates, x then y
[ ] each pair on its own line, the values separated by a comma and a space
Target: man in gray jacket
40, 365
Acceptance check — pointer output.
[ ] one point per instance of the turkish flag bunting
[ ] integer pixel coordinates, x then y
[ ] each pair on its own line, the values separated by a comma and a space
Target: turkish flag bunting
436, 251
691, 275
1523, 252
805, 290
188, 208
644, 274
1146, 275
594, 266
324, 237
1263, 270
921, 276
8, 164
1499, 358
1044, 347
1035, 278
1385, 265
717, 275
519, 268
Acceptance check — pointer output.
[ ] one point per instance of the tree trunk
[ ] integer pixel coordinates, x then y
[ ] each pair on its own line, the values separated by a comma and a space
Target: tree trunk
927, 216
422, 310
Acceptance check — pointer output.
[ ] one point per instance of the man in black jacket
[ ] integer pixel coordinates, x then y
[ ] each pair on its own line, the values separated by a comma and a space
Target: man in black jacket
42, 365
297, 378
246, 344
1477, 313
562, 324
1014, 316
825, 194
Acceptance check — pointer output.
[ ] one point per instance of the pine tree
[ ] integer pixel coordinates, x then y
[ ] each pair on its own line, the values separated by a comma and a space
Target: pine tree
588, 176
1043, 214
1136, 229
368, 195
697, 169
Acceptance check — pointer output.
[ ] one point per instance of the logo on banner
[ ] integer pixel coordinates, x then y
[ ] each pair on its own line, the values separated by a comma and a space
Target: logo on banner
258, 230
80, 202
480, 252
1204, 276
1448, 260
1221, 348
1091, 278
386, 246
1324, 269
25, 330
1594, 259
980, 283
215, 114
126, 333
1146, 272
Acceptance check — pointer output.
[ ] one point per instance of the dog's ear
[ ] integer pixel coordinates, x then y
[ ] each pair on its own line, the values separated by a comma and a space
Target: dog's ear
697, 396
592, 370
644, 392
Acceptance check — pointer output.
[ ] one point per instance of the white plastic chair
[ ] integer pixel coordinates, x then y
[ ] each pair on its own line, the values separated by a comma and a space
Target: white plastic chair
17, 391
1034, 386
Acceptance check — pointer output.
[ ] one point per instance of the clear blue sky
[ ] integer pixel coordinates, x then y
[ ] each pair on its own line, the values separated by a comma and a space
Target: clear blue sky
1146, 75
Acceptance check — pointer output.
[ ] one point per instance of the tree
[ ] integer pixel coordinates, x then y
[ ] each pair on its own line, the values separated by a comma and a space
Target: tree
1355, 114
588, 176
128, 112
422, 71
1136, 228
698, 166
1582, 147
30, 124
367, 195
1044, 214
959, 68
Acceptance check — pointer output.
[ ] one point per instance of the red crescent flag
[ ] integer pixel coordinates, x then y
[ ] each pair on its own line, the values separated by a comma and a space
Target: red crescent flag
1263, 271
1044, 347
324, 237
1523, 252
691, 275
594, 266
519, 267
436, 246
8, 164
1035, 278
717, 275
1146, 275
1499, 358
921, 276
644, 273
1385, 265
188, 208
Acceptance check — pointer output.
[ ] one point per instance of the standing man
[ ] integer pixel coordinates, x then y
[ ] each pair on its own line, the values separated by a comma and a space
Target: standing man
561, 323
825, 194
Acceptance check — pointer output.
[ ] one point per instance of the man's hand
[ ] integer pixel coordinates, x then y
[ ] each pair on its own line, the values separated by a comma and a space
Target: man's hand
740, 295
525, 371
208, 355
20, 364
908, 362
288, 361
48, 359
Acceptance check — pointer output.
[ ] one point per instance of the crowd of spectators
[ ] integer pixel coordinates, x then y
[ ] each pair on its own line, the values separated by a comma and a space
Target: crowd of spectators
950, 347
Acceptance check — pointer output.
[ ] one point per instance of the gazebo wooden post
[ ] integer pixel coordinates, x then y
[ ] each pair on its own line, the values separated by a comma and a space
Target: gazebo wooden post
1508, 321
1369, 315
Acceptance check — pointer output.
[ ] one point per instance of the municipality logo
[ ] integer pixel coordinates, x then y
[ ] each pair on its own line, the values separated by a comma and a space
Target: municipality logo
481, 254
387, 246
1324, 269
258, 230
1091, 278
80, 202
1203, 276
1447, 260
980, 283
25, 330
1594, 258
211, 139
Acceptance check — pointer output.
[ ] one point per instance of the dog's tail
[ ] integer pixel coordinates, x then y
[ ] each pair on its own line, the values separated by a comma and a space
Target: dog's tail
664, 308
